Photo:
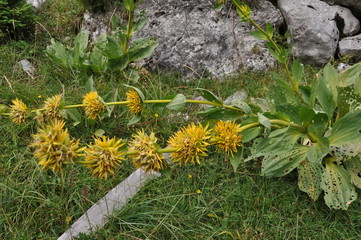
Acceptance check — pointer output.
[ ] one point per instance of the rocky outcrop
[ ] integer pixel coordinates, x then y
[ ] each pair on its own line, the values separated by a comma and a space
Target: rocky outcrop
351, 46
348, 23
194, 37
313, 28
354, 5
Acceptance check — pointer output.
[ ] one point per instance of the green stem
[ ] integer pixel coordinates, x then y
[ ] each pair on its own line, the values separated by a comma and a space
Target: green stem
269, 38
129, 31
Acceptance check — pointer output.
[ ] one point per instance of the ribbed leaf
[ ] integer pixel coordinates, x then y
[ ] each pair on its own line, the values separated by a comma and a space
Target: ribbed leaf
353, 166
309, 179
336, 182
346, 130
177, 103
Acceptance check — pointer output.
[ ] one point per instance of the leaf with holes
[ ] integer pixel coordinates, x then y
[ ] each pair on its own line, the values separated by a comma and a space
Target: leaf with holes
353, 166
282, 164
309, 179
336, 182
318, 150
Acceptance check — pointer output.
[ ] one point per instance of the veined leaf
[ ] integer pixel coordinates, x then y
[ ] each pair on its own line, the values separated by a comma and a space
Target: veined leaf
264, 121
250, 134
318, 150
346, 130
353, 166
242, 105
178, 102
208, 95
297, 71
142, 48
309, 179
135, 119
281, 164
74, 114
326, 97
336, 182
258, 34
109, 46
80, 45
237, 158
318, 124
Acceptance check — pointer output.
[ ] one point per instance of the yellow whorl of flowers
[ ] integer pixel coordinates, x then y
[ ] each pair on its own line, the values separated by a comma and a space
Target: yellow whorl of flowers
51, 107
147, 157
135, 102
103, 156
18, 111
93, 105
54, 147
227, 136
191, 143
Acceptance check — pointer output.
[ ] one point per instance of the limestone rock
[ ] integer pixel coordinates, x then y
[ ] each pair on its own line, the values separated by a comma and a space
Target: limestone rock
351, 46
313, 28
193, 36
35, 3
349, 23
28, 67
354, 5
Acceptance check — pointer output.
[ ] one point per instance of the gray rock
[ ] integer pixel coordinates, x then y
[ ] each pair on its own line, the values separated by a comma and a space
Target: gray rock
237, 96
313, 29
351, 25
351, 46
342, 67
28, 67
96, 24
194, 37
35, 3
354, 5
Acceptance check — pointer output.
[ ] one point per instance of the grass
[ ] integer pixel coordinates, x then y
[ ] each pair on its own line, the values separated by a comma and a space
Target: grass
209, 201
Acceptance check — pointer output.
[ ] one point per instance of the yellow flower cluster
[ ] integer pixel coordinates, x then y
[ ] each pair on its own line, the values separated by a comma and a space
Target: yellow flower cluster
93, 105
52, 106
54, 147
227, 136
103, 156
147, 156
18, 111
135, 102
191, 144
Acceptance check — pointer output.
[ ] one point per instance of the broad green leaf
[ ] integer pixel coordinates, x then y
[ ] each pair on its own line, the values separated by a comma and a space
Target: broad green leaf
346, 130
352, 76
283, 83
250, 134
264, 121
348, 100
97, 61
237, 158
3, 108
119, 63
208, 95
353, 166
243, 106
318, 125
297, 71
74, 114
332, 79
80, 46
142, 48
178, 102
135, 119
318, 150
99, 132
284, 55
298, 114
59, 53
223, 114
309, 179
109, 47
277, 145
346, 151
325, 97
139, 23
89, 85
141, 95
129, 5
281, 164
278, 132
269, 29
258, 34
336, 183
